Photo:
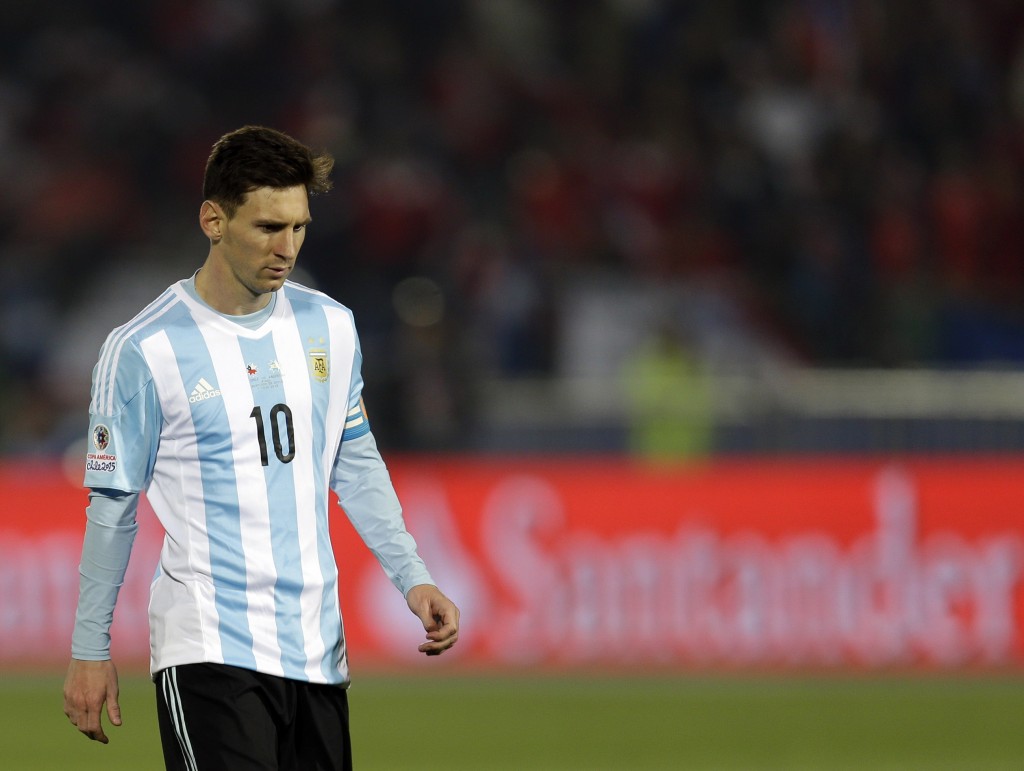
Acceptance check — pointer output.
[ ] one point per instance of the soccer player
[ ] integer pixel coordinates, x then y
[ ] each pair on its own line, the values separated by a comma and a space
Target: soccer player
234, 401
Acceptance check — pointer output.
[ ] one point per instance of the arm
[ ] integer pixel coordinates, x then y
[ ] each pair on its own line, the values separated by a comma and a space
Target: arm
124, 426
91, 679
363, 486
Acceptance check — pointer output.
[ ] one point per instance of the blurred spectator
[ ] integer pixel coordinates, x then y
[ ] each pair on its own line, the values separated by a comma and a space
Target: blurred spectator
850, 172
668, 391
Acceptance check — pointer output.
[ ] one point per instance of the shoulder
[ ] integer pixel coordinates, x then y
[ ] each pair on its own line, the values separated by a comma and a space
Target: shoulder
302, 296
164, 311
121, 350
121, 367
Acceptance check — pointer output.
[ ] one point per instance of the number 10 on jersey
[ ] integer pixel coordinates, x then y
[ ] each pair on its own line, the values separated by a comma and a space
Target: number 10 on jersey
275, 431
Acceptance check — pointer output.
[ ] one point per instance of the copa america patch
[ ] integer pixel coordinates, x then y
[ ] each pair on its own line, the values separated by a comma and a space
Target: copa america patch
101, 437
101, 461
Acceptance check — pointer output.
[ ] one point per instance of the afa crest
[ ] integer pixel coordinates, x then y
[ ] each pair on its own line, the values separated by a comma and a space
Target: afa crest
319, 365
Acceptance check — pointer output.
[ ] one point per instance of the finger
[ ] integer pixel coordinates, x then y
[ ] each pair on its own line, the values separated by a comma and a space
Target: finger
442, 632
114, 711
91, 725
436, 647
449, 621
446, 613
436, 651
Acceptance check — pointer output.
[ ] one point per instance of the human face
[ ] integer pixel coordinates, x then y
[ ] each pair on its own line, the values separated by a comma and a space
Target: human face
258, 246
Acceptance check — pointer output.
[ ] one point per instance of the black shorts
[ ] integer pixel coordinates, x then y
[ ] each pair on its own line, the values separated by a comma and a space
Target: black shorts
214, 716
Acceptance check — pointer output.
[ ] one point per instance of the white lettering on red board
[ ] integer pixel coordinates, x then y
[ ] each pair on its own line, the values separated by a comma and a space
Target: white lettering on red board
699, 596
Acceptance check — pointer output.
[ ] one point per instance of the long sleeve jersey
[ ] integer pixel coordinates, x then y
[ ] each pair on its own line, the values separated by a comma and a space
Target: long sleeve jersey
236, 428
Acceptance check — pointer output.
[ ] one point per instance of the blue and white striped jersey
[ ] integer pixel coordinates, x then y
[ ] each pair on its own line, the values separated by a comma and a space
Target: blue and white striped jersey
234, 434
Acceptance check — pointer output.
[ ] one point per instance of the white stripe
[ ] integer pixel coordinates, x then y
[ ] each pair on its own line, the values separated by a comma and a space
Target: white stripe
174, 706
301, 288
355, 417
297, 388
171, 703
103, 402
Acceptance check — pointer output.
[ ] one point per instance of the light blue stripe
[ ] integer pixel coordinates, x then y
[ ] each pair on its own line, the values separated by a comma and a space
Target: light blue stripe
217, 471
267, 392
355, 391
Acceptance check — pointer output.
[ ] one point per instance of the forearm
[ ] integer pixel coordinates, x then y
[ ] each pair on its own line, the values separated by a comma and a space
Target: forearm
109, 535
363, 486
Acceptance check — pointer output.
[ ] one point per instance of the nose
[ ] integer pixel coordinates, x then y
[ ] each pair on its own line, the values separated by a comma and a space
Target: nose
287, 245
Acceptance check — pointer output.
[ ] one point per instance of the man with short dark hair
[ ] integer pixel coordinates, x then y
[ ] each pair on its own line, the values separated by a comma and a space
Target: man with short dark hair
234, 400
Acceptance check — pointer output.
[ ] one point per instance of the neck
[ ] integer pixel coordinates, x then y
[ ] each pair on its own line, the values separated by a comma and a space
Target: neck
225, 294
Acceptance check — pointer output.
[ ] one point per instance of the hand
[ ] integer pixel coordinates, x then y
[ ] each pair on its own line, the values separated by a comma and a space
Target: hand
88, 685
439, 615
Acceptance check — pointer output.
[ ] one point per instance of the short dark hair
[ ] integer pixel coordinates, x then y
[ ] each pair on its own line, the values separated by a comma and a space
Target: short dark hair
255, 156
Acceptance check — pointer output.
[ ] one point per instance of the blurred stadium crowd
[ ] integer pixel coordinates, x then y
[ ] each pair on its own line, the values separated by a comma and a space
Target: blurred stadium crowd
845, 176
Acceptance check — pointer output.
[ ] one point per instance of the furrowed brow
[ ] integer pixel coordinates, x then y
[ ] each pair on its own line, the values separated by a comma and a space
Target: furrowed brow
269, 223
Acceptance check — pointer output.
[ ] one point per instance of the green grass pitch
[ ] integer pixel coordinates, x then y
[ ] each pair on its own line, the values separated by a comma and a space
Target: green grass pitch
725, 723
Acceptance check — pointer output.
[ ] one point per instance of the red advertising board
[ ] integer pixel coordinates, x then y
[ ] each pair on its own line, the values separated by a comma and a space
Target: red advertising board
606, 563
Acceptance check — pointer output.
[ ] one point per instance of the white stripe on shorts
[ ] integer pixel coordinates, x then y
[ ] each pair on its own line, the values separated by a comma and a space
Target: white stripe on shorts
169, 681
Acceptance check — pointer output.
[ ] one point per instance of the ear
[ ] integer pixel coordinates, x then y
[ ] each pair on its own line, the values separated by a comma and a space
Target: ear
211, 220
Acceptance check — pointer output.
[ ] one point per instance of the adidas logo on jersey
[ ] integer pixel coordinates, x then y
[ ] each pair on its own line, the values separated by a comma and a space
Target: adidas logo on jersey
203, 391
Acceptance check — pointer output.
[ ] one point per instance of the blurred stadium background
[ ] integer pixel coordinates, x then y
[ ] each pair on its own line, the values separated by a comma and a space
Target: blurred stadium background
713, 296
